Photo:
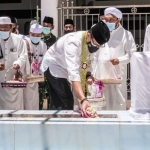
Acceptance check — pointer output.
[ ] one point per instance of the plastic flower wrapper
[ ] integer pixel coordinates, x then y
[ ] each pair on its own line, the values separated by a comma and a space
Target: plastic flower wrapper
35, 67
95, 89
90, 112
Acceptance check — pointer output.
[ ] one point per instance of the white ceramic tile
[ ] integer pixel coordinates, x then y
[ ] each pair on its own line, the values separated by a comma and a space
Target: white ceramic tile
101, 137
31, 137
134, 137
7, 137
66, 137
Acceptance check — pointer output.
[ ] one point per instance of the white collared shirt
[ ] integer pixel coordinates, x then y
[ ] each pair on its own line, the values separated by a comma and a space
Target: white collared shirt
63, 58
14, 51
38, 51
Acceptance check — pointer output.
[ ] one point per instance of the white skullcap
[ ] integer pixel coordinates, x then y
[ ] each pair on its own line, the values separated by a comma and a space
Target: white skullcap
36, 28
114, 11
5, 20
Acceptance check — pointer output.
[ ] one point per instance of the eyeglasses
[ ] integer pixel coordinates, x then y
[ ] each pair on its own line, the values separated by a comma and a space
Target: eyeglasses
108, 18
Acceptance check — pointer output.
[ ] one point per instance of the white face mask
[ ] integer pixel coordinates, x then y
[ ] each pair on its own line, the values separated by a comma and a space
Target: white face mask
4, 35
111, 26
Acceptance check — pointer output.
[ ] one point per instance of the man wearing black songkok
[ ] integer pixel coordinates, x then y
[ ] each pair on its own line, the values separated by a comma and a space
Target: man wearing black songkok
48, 26
69, 26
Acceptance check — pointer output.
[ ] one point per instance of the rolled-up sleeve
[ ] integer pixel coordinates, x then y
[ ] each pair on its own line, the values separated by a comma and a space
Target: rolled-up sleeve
72, 49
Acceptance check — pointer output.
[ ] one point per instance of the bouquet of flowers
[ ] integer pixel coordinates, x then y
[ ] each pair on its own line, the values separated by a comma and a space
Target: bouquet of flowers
35, 67
35, 76
96, 89
96, 99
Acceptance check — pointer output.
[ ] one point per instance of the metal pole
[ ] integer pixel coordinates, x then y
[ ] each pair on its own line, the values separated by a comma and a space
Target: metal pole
81, 23
140, 32
68, 9
72, 10
37, 13
61, 22
62, 18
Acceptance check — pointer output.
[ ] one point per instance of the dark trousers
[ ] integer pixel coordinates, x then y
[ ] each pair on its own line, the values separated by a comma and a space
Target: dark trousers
61, 96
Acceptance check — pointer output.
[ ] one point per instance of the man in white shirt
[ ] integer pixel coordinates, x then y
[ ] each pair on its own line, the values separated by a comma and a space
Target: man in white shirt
36, 51
62, 61
13, 54
112, 59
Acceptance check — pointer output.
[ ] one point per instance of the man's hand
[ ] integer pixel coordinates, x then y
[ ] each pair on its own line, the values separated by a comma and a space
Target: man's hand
2, 67
84, 106
16, 66
90, 80
79, 92
114, 61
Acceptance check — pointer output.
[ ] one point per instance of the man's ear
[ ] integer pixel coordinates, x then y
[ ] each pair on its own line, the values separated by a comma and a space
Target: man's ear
102, 17
52, 27
118, 21
88, 37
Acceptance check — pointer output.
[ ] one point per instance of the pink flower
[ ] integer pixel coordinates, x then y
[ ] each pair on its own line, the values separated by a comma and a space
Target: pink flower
100, 87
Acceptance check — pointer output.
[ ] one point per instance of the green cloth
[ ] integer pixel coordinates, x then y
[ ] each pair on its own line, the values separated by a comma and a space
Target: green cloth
49, 40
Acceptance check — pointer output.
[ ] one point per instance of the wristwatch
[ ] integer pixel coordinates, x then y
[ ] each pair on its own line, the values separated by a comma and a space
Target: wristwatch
85, 99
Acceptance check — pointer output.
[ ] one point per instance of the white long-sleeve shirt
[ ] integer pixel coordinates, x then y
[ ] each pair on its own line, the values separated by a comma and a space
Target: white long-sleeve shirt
14, 52
63, 58
31, 92
38, 51
121, 45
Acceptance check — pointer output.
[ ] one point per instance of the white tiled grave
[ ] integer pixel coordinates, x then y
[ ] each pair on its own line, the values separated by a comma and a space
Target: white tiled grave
66, 130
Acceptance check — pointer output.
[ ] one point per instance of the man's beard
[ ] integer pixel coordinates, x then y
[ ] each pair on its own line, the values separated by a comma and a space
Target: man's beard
68, 31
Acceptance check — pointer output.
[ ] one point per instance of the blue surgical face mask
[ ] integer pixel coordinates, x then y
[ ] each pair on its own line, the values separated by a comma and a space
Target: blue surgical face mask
35, 40
46, 30
4, 35
111, 26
